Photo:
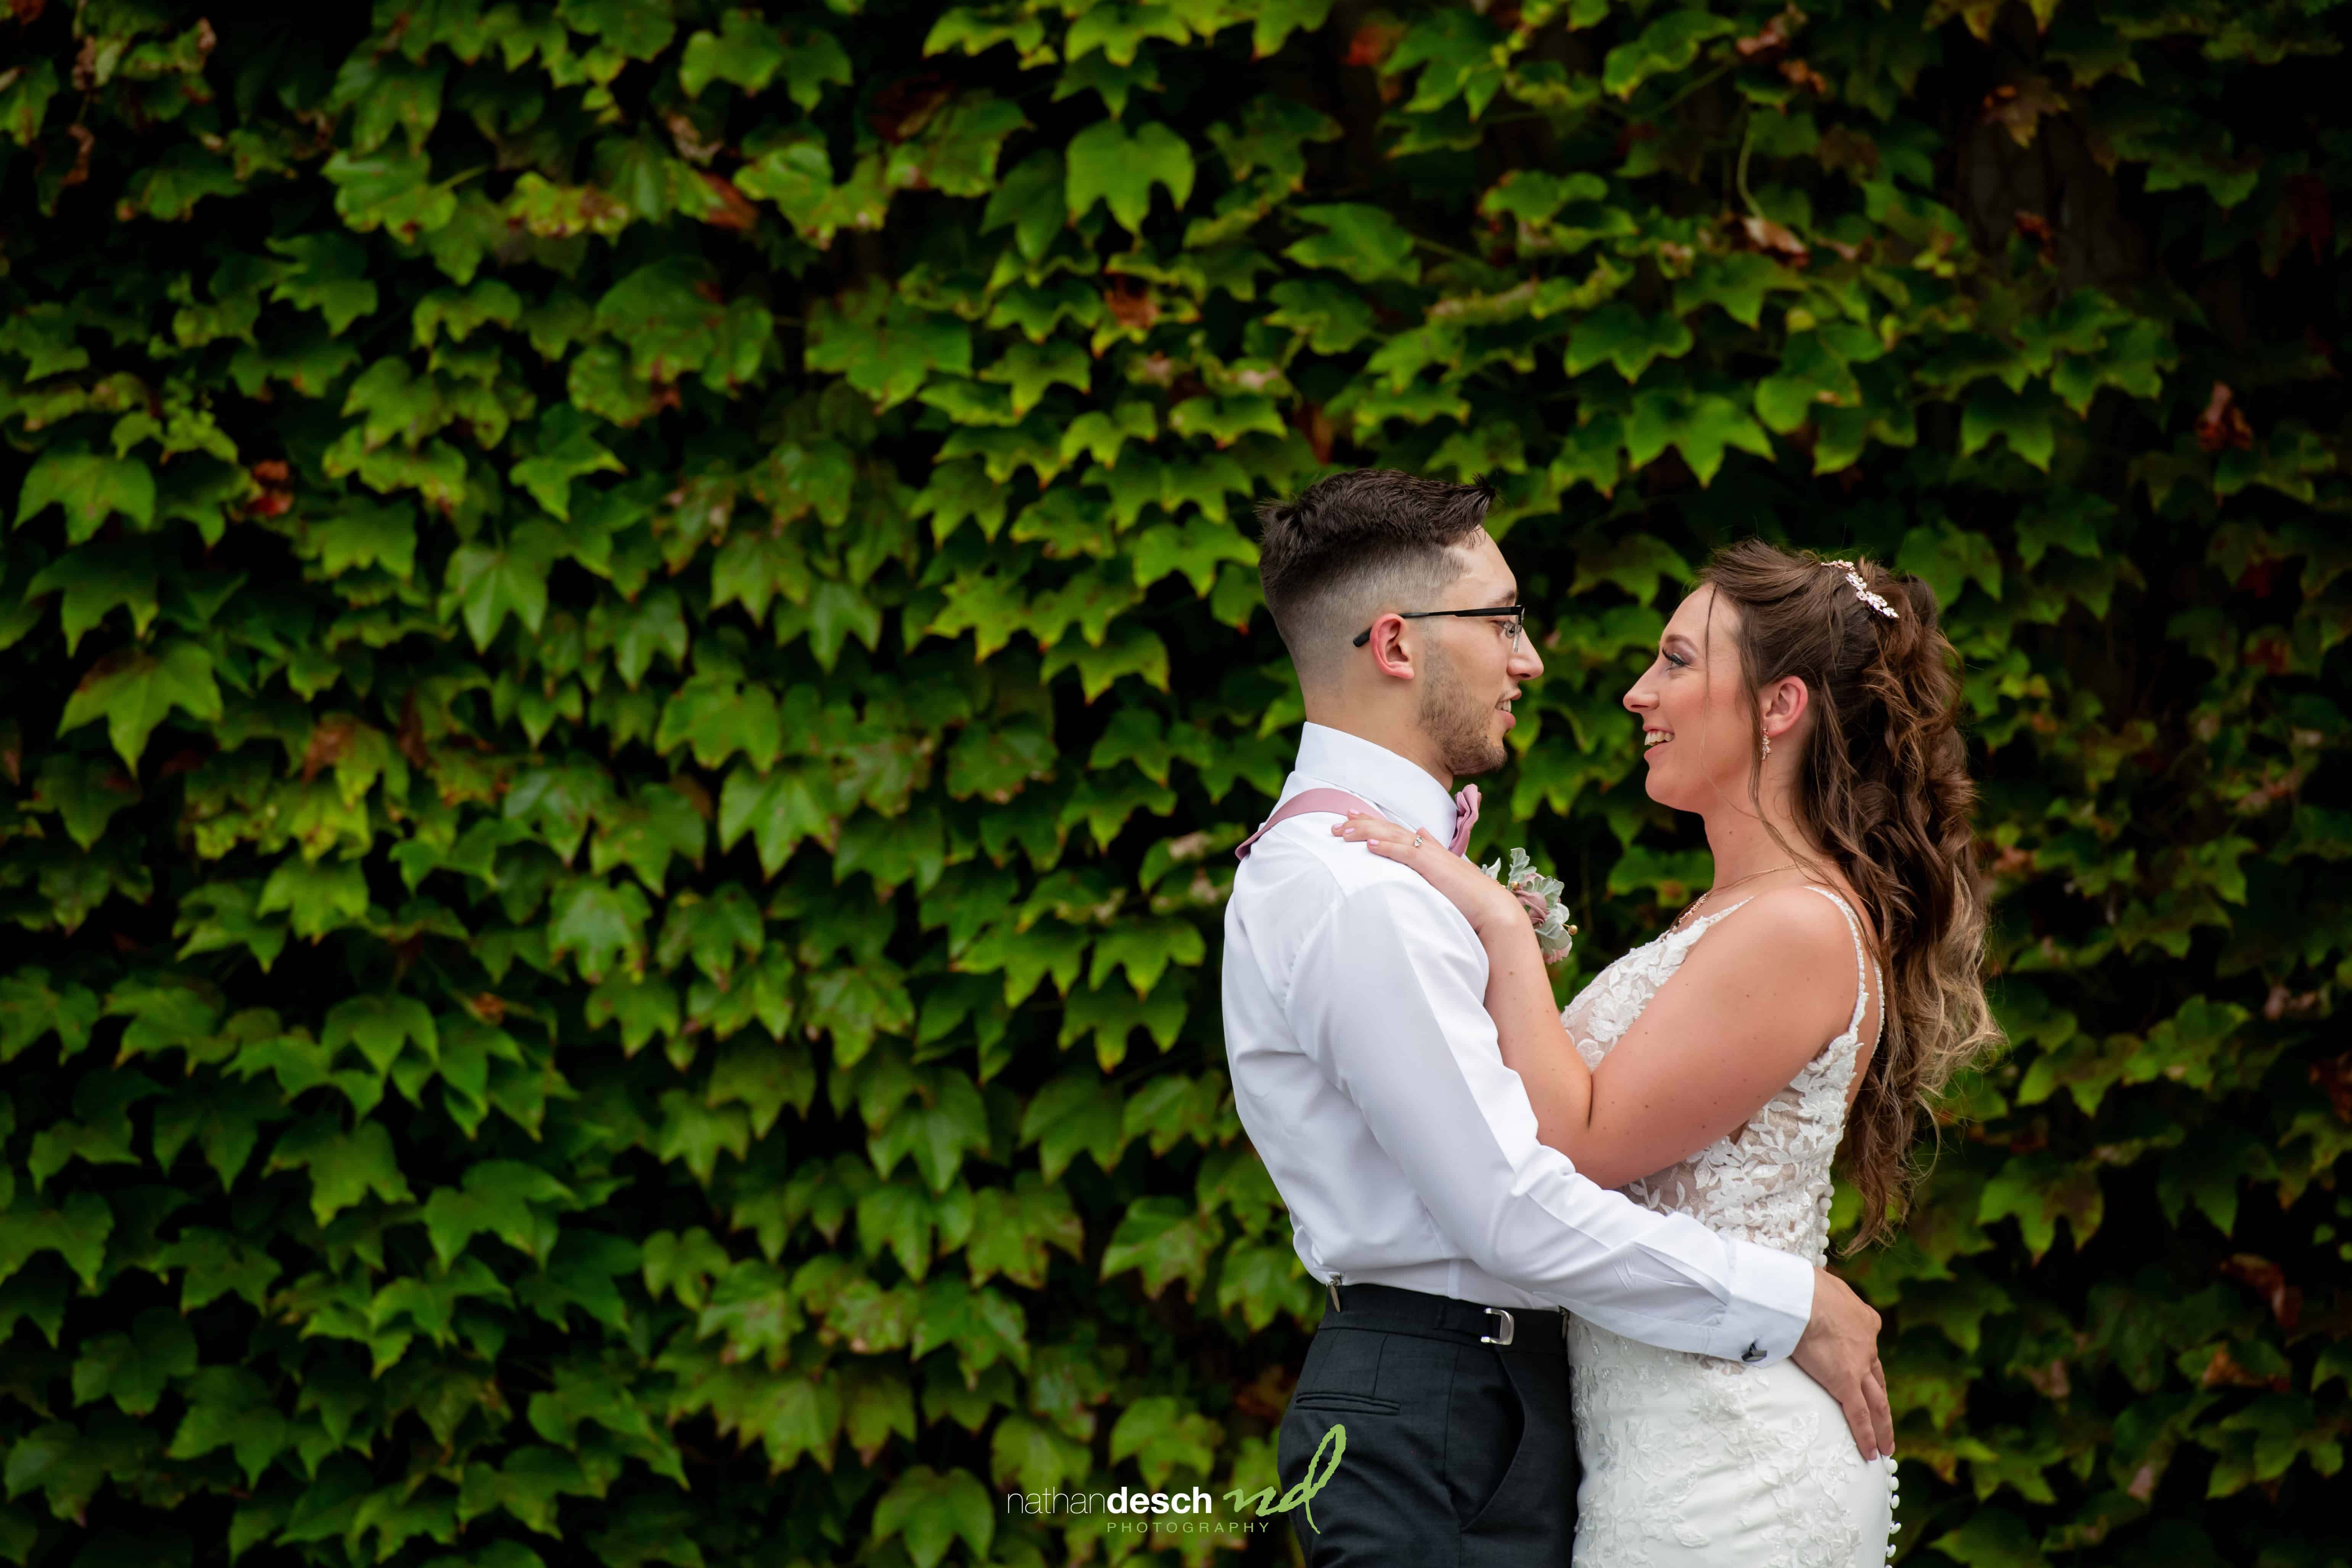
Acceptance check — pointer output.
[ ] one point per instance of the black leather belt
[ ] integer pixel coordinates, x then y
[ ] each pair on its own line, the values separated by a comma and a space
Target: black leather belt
1387, 1309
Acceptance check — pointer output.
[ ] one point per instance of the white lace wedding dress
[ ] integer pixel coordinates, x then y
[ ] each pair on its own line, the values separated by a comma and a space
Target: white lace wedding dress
1693, 1461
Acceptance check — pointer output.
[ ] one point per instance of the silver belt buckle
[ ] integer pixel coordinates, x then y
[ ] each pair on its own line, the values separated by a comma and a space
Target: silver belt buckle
1509, 1327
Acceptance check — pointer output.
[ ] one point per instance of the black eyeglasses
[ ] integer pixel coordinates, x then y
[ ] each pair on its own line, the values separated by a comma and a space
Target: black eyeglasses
1518, 613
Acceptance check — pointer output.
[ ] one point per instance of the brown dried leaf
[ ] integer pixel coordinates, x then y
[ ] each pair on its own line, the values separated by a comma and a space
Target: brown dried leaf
1775, 239
2223, 423
904, 108
689, 141
1268, 1396
1797, 73
1131, 302
2223, 1372
734, 210
2270, 1281
329, 738
83, 143
1373, 42
2306, 205
2334, 1079
411, 739
1847, 152
2036, 227
2020, 110
1774, 35
696, 795
1317, 426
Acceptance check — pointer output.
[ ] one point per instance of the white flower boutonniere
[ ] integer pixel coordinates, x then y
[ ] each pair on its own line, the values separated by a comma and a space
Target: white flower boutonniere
1540, 895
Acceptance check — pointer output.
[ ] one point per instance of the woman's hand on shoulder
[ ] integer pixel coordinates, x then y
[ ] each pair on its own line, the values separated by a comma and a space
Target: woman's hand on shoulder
1482, 899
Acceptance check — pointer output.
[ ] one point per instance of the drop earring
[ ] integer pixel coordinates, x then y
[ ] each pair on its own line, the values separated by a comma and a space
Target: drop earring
1767, 751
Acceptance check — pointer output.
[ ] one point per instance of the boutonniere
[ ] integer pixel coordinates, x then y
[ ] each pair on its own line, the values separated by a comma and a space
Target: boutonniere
1539, 895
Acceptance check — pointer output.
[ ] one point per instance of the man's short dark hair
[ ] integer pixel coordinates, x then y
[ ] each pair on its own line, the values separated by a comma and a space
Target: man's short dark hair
1350, 546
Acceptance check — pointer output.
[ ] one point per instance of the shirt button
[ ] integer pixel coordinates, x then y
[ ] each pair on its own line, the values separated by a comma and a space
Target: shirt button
1753, 1352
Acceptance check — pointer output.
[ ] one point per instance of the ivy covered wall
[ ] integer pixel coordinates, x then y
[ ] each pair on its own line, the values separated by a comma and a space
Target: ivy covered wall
632, 654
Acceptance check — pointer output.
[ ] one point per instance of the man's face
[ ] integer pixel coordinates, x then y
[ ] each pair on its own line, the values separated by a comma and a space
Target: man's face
1472, 665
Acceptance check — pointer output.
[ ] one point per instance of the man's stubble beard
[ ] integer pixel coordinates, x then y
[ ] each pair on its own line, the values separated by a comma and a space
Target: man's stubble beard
1459, 721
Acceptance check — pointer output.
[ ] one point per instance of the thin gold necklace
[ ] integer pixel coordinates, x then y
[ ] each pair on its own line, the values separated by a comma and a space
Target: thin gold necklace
1703, 898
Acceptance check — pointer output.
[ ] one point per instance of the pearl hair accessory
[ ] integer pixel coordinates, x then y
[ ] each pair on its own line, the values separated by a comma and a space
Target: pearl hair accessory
1861, 590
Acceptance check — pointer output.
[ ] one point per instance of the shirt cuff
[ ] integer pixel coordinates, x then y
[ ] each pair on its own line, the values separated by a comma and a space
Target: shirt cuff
1771, 1302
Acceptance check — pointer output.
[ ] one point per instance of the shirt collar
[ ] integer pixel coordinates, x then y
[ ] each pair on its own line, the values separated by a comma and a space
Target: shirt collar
1397, 785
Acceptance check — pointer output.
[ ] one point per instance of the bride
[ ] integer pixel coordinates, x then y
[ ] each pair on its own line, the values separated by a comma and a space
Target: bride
1824, 987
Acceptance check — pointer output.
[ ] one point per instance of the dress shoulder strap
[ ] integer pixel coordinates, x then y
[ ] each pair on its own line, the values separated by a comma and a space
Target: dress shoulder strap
1304, 803
1865, 968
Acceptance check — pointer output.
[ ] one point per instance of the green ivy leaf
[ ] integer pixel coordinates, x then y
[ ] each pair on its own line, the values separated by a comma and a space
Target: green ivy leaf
951, 1123
500, 1198
486, 583
636, 29
598, 924
135, 692
317, 896
1361, 242
1458, 53
1669, 44
1075, 1113
90, 488
389, 192
325, 273
1275, 20
527, 1486
885, 348
76, 1232
1012, 1229
927, 1512
344, 1167
217, 1264
1033, 199
2024, 420
1701, 427
1108, 165
86, 791
749, 53
1627, 339
133, 1369
1162, 1436
229, 1408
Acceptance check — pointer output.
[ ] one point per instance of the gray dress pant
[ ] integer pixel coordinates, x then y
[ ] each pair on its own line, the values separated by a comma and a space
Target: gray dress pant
1455, 1452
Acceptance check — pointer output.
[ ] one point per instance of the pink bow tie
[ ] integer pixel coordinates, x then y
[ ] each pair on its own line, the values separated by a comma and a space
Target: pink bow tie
1466, 812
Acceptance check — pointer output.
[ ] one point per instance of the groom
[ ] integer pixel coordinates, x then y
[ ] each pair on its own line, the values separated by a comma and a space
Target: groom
1365, 1067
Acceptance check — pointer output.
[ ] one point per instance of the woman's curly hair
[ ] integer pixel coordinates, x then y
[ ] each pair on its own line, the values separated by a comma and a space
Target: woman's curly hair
1883, 786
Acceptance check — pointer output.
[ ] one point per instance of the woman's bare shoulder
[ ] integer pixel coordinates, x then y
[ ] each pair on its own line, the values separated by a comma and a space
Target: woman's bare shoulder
1793, 929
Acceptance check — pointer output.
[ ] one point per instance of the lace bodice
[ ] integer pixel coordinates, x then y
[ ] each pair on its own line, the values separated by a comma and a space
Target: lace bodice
1692, 1461
1769, 1180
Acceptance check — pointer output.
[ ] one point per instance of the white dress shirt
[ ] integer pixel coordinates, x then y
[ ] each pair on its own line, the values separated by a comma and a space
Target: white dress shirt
1366, 1070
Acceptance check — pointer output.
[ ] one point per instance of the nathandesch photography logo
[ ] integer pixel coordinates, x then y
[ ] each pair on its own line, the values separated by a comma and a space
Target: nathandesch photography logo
1190, 1512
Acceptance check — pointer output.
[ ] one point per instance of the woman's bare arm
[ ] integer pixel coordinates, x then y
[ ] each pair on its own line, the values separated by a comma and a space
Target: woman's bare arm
1754, 1000
1535, 1046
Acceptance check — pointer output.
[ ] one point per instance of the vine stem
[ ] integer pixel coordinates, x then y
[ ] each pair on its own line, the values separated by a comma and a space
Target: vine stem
1675, 102
1746, 142
1444, 249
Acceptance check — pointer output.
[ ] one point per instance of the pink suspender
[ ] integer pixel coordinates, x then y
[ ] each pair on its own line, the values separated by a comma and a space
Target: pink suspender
1300, 805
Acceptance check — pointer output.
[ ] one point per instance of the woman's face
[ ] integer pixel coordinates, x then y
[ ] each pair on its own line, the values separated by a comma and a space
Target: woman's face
1698, 732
